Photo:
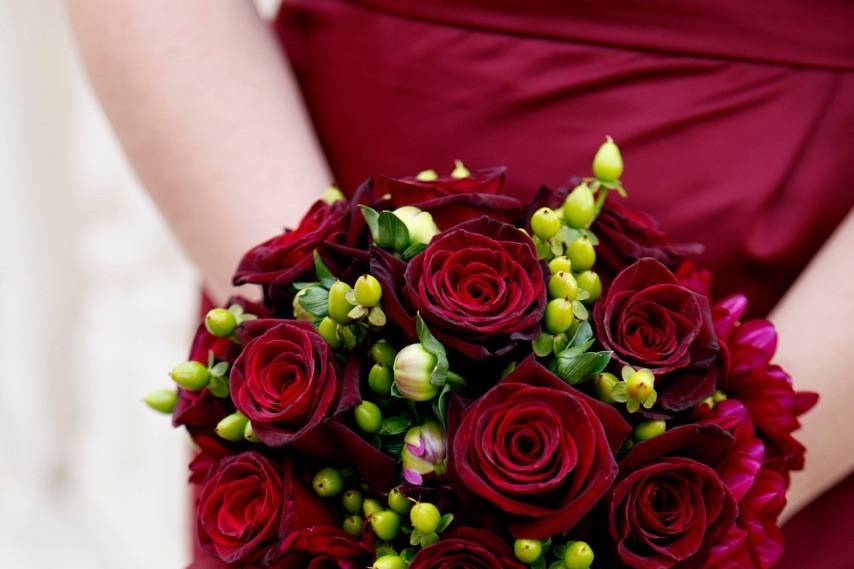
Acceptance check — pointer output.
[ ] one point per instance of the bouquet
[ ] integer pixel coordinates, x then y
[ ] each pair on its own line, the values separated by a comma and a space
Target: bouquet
443, 376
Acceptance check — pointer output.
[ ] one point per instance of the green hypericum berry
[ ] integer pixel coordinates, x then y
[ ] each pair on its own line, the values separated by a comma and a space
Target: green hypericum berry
191, 375
231, 427
581, 254
331, 195
579, 207
398, 502
220, 322
460, 171
427, 176
370, 507
545, 223
578, 555
425, 517
328, 482
604, 384
389, 562
162, 400
369, 418
608, 162
563, 285
353, 524
559, 316
559, 264
527, 550
649, 430
368, 291
590, 281
339, 306
383, 353
328, 329
386, 524
249, 433
352, 501
380, 379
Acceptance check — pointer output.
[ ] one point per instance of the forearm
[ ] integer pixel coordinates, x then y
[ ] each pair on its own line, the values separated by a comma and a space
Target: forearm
210, 118
816, 327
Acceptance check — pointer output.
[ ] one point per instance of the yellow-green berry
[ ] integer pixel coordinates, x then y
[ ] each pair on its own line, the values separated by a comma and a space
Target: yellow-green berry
579, 207
590, 281
563, 285
162, 400
527, 550
220, 322
369, 418
581, 254
368, 291
328, 482
191, 375
559, 316
578, 555
608, 162
545, 223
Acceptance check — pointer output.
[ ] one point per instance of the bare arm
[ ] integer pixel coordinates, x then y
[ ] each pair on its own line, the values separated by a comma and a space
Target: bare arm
210, 117
816, 326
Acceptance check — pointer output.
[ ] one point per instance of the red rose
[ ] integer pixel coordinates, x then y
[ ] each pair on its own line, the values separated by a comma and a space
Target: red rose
466, 548
248, 504
536, 449
479, 287
451, 200
649, 320
286, 257
670, 505
765, 389
323, 547
285, 380
627, 235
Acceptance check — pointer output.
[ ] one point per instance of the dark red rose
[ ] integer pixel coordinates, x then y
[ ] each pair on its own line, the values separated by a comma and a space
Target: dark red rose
211, 450
466, 548
649, 320
627, 235
287, 257
536, 449
285, 380
451, 200
670, 505
323, 547
479, 287
248, 504
765, 389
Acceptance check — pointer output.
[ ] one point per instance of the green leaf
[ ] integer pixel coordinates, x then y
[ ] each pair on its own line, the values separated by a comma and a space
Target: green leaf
218, 386
377, 317
220, 369
444, 522
301, 285
557, 565
583, 334
543, 344
392, 232
415, 537
407, 555
440, 404
560, 551
357, 312
372, 219
435, 347
394, 425
579, 310
575, 368
315, 300
591, 236
393, 447
413, 250
324, 275
539, 563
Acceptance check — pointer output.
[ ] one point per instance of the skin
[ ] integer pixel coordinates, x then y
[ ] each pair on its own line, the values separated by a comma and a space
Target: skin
212, 121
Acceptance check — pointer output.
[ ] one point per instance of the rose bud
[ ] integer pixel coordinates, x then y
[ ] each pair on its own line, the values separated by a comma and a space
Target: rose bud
420, 224
424, 453
608, 162
413, 370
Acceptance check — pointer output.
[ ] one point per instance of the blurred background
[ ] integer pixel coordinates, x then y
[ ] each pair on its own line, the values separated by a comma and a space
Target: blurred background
98, 303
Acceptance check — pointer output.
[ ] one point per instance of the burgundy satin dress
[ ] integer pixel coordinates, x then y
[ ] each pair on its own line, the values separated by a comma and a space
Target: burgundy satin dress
736, 120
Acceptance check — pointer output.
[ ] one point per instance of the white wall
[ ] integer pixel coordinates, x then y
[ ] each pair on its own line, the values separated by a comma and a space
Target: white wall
96, 304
